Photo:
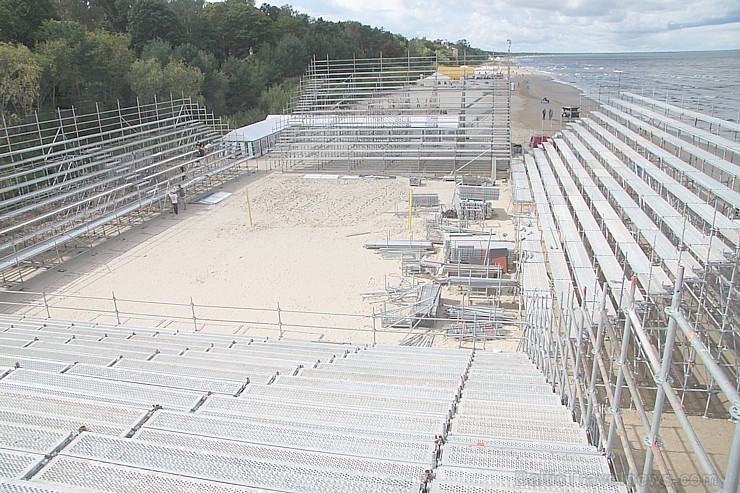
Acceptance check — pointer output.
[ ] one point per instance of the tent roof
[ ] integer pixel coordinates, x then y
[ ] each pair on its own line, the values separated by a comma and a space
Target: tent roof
256, 131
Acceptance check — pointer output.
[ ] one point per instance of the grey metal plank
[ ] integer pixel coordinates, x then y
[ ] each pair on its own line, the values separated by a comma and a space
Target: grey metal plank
512, 429
366, 388
230, 469
104, 390
518, 444
308, 413
55, 356
281, 454
550, 462
158, 379
319, 441
14, 464
26, 438
358, 376
80, 474
493, 481
20, 486
56, 422
259, 375
345, 399
76, 408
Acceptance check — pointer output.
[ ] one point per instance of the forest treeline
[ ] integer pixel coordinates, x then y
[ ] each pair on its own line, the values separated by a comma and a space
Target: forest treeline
241, 60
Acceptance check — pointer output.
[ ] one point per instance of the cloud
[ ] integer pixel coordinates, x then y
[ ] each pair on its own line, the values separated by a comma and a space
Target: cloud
735, 18
550, 25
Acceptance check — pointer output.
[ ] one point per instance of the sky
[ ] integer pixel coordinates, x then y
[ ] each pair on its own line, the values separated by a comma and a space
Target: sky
555, 26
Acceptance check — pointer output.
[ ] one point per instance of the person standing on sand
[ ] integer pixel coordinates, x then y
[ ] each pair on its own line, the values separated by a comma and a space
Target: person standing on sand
173, 199
181, 197
549, 113
544, 114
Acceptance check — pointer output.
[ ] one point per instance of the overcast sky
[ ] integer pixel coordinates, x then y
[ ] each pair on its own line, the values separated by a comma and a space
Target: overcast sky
550, 25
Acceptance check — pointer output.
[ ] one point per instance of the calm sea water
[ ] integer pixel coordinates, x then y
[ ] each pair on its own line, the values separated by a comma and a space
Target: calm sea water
708, 81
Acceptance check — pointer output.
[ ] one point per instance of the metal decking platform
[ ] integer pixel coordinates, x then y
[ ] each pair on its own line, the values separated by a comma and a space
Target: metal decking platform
365, 419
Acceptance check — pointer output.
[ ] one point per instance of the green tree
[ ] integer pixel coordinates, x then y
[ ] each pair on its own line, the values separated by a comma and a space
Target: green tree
19, 80
420, 47
245, 84
20, 20
64, 56
276, 98
287, 21
215, 82
86, 12
195, 57
149, 79
182, 80
291, 56
110, 61
188, 13
115, 12
146, 78
153, 19
215, 88
235, 28
159, 50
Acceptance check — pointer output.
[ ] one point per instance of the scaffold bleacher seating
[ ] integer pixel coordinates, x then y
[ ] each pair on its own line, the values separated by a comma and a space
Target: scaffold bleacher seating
89, 407
82, 176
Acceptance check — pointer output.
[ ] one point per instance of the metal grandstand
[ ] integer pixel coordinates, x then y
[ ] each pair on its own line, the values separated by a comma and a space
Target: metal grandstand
70, 179
397, 115
331, 417
628, 263
639, 236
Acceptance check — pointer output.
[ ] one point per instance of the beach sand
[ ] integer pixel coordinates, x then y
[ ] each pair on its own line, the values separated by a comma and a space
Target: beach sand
527, 105
304, 250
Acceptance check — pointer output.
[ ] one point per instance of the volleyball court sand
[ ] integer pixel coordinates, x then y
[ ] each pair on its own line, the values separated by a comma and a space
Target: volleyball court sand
304, 250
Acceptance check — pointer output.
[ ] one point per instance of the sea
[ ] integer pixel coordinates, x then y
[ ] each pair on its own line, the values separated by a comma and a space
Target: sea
705, 81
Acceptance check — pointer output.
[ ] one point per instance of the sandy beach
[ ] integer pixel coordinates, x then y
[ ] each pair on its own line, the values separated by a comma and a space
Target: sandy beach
527, 105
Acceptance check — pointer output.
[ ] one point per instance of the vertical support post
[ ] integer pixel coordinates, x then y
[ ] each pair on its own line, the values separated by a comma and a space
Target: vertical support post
652, 440
192, 311
38, 127
280, 320
411, 206
249, 205
7, 138
616, 410
732, 478
577, 367
115, 307
508, 95
46, 304
596, 350
374, 329
100, 123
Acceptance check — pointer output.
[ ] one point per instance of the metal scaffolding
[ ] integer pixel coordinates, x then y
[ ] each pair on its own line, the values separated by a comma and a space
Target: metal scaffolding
637, 218
398, 115
71, 179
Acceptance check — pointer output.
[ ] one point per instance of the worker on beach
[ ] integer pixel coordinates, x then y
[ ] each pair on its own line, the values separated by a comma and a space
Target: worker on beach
181, 197
173, 200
